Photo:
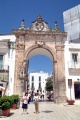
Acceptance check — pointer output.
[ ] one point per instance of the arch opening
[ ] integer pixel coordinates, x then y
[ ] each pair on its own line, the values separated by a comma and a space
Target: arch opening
39, 51
41, 60
40, 68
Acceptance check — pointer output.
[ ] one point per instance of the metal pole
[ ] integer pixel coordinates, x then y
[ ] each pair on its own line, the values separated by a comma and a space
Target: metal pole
70, 92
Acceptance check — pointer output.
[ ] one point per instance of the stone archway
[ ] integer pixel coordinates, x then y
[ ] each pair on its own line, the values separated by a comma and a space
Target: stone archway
28, 42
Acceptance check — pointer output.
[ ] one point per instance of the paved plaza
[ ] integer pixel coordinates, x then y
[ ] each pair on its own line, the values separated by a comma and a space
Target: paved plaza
48, 111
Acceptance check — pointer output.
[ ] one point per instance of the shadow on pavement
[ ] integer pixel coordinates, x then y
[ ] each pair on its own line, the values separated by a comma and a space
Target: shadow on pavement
11, 114
47, 111
46, 101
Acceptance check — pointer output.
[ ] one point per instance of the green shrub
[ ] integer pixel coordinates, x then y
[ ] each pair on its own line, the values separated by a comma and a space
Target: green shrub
6, 105
3, 99
10, 100
0, 107
6, 99
16, 98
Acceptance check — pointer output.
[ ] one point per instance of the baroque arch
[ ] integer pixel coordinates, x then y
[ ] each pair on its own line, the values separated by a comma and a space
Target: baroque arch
33, 40
39, 49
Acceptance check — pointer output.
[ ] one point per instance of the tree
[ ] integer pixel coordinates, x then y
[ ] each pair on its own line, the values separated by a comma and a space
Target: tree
49, 84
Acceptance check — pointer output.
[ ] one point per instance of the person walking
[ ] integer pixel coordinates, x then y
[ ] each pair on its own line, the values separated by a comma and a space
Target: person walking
49, 95
25, 103
36, 102
29, 97
43, 95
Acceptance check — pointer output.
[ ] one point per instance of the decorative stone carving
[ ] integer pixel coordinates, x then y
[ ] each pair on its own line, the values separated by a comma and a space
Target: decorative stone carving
40, 43
40, 38
22, 69
20, 46
59, 48
22, 25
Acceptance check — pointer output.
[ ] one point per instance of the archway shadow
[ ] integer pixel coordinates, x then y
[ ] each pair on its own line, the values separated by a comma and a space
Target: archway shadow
46, 100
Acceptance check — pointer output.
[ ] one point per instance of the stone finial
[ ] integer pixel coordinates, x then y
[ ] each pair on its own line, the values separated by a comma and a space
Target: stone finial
56, 27
39, 18
22, 25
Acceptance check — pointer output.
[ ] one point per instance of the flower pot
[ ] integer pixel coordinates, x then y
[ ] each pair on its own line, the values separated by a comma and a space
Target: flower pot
6, 112
70, 102
14, 106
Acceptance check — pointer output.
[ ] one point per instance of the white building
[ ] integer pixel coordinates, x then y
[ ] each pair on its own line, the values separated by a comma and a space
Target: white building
7, 63
72, 52
37, 81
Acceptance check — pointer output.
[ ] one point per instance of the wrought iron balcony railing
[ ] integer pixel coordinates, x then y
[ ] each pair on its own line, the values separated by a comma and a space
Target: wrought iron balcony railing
32, 88
4, 67
74, 65
4, 73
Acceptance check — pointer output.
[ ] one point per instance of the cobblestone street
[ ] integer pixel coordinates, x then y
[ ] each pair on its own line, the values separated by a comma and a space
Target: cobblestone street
48, 111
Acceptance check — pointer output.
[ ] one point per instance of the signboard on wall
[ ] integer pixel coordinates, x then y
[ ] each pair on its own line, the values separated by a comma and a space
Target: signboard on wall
70, 82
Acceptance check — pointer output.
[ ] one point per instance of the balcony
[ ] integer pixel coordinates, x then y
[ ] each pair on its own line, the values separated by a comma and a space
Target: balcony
74, 67
32, 88
4, 46
39, 88
4, 73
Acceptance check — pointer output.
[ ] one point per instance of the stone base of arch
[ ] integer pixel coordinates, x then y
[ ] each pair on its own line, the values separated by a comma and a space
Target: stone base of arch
59, 90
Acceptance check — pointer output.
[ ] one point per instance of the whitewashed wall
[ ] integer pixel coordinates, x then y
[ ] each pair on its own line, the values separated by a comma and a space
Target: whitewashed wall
71, 48
10, 61
71, 20
36, 80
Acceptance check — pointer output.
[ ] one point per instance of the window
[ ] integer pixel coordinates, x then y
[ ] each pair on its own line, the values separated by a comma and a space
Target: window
32, 82
39, 85
1, 61
74, 57
39, 78
1, 85
32, 85
39, 82
32, 78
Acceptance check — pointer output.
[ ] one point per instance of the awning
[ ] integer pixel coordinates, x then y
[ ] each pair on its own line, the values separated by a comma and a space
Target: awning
2, 88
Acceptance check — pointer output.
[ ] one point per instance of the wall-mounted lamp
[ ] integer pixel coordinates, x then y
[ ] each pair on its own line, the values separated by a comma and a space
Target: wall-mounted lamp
78, 79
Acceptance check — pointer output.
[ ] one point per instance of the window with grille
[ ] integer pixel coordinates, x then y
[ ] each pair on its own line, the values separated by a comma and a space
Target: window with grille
39, 78
39, 82
39, 85
32, 85
32, 78
74, 57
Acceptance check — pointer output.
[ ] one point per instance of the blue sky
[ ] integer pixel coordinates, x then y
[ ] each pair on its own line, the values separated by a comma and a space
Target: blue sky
13, 11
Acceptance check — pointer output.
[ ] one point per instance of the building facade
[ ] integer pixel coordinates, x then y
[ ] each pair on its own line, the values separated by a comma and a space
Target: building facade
7, 64
37, 81
72, 52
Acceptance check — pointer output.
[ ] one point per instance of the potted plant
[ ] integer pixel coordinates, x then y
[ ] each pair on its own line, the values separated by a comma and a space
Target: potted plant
6, 108
70, 101
16, 99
